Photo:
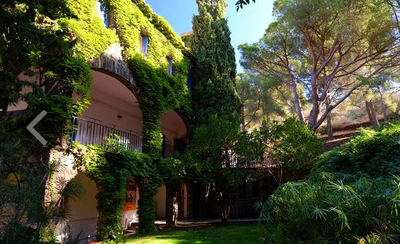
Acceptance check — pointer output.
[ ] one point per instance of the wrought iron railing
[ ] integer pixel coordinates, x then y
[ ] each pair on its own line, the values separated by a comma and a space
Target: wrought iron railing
91, 131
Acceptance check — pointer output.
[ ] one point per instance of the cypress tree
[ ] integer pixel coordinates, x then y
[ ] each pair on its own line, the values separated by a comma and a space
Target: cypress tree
216, 109
214, 69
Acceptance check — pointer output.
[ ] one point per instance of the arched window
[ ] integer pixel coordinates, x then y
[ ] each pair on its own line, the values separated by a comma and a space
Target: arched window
102, 11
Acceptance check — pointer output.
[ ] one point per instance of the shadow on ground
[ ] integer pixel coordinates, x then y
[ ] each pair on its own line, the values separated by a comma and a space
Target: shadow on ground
233, 233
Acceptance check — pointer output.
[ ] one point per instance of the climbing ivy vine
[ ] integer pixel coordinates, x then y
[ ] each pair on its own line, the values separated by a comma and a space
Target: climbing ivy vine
39, 65
110, 166
158, 92
86, 29
60, 39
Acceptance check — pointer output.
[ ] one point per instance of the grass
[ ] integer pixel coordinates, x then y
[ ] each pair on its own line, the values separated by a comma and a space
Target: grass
237, 233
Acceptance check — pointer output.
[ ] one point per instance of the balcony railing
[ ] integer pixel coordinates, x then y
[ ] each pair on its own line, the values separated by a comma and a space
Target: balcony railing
91, 131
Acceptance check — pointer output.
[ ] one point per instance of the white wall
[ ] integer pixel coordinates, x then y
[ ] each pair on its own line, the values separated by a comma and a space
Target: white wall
110, 99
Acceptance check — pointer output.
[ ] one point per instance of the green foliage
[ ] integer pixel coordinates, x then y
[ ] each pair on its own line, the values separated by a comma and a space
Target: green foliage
332, 209
292, 149
110, 180
147, 210
314, 43
110, 198
160, 24
110, 167
293, 145
26, 217
275, 57
159, 93
132, 20
36, 54
89, 32
229, 147
372, 153
69, 74
216, 105
214, 70
221, 161
262, 97
40, 48
351, 195
240, 3
53, 41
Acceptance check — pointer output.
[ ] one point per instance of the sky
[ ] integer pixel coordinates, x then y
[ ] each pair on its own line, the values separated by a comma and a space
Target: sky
247, 26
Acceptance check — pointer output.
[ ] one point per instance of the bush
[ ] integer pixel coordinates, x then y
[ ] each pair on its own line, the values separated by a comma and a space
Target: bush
294, 146
372, 153
352, 195
293, 149
328, 209
25, 218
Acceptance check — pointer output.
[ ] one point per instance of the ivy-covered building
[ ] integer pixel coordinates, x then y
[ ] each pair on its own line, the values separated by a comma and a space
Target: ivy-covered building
139, 89
116, 83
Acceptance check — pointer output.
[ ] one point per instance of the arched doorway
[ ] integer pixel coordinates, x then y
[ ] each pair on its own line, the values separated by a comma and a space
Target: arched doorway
83, 211
175, 140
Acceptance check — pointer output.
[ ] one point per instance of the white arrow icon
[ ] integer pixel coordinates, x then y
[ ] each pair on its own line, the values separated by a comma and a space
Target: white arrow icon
33, 124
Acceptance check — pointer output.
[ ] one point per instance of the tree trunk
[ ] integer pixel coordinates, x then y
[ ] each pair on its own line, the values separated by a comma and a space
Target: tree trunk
373, 120
297, 103
312, 120
384, 111
223, 191
243, 121
329, 126
225, 212
172, 207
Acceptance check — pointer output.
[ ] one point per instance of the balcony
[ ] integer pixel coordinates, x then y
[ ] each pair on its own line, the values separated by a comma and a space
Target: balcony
91, 131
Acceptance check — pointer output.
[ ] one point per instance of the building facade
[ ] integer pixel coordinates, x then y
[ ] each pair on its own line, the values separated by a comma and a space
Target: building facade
133, 31
131, 52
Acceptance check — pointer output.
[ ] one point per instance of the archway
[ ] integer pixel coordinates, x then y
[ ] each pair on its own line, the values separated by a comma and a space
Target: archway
113, 109
174, 131
83, 211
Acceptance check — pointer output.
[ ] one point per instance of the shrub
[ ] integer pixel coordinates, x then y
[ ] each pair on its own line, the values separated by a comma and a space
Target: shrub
372, 153
328, 209
25, 218
294, 145
293, 149
218, 154
352, 195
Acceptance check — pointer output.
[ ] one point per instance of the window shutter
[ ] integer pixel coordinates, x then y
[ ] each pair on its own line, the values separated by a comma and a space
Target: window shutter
170, 62
189, 81
145, 43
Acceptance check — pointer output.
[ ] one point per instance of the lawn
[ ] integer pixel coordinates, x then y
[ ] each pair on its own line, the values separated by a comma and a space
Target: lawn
232, 234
